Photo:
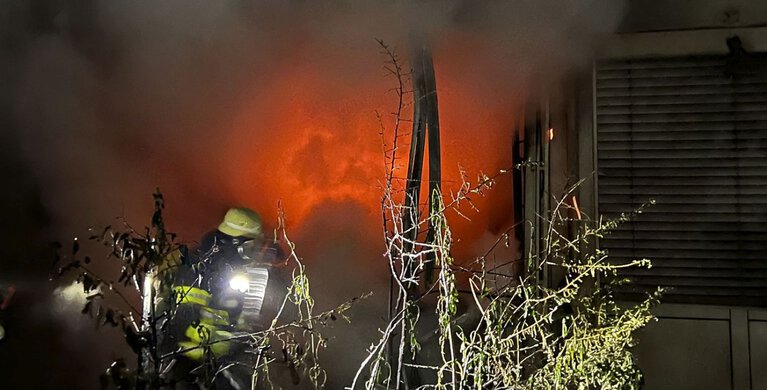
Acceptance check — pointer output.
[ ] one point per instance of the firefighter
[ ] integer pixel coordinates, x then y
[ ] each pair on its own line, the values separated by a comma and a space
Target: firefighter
220, 291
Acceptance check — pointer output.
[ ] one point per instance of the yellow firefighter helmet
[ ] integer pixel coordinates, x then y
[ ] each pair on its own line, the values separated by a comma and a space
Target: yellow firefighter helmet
241, 222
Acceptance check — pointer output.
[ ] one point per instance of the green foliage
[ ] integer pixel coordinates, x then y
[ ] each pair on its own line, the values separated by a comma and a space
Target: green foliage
147, 261
526, 331
137, 255
524, 334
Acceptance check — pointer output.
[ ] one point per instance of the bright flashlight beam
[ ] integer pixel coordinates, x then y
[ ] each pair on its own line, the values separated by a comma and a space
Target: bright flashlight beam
239, 283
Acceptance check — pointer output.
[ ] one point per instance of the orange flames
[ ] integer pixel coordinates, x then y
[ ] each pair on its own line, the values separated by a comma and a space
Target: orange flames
305, 141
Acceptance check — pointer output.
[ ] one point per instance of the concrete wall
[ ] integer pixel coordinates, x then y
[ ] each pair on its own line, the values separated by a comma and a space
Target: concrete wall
660, 15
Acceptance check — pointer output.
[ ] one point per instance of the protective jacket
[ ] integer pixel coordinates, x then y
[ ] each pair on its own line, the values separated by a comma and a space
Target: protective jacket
227, 287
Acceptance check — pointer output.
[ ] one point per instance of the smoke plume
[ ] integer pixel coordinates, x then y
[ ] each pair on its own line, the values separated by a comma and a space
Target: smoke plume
253, 103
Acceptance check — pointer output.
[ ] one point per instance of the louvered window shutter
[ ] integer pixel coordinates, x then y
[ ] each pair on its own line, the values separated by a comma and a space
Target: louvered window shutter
691, 133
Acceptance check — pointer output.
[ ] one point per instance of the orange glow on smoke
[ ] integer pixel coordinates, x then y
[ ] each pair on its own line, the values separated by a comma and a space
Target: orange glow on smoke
319, 141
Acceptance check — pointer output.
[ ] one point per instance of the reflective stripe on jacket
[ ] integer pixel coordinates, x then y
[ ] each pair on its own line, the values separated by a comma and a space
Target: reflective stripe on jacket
191, 295
204, 338
207, 335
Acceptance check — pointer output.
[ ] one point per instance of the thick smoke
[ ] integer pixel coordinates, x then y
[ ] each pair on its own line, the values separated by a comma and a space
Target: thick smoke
254, 102
235, 102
